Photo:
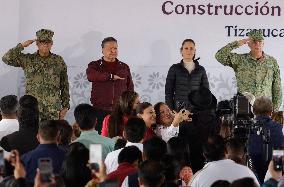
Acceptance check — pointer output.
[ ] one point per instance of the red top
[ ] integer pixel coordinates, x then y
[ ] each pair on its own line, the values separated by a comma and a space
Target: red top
123, 170
149, 134
110, 66
105, 91
106, 123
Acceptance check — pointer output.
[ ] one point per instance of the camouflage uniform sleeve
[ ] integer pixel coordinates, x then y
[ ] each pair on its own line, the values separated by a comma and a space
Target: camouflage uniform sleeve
64, 86
15, 57
226, 57
276, 88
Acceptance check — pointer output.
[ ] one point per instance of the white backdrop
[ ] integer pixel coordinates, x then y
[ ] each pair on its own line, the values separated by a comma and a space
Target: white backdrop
149, 40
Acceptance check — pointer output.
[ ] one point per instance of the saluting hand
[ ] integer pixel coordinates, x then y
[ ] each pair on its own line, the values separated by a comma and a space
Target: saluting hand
28, 42
243, 41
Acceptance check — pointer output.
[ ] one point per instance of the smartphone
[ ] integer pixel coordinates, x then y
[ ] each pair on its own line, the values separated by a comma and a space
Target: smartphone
277, 157
180, 105
96, 156
45, 169
2, 162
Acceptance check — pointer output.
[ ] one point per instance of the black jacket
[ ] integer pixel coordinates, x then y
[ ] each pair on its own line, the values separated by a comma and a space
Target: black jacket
23, 140
180, 83
196, 133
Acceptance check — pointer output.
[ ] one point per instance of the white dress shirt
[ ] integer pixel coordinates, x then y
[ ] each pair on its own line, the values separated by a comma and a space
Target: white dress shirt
111, 160
220, 170
8, 126
167, 132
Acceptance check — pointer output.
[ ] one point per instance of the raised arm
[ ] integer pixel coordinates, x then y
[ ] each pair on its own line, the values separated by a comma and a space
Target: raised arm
225, 55
15, 57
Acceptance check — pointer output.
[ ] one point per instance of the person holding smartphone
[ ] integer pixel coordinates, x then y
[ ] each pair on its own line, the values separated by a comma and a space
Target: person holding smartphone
168, 122
275, 176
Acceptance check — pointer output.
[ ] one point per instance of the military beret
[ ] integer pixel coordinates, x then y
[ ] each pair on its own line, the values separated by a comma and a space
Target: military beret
44, 35
256, 35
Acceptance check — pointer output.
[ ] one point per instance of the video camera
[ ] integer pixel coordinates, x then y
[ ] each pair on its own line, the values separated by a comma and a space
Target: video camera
238, 108
238, 111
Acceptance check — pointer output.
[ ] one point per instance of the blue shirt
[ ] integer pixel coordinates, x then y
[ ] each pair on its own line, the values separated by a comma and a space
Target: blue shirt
30, 159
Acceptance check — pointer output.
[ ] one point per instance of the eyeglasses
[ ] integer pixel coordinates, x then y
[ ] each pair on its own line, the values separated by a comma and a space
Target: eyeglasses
45, 42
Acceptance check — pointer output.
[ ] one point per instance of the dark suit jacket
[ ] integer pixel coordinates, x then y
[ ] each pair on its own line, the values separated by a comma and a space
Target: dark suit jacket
23, 140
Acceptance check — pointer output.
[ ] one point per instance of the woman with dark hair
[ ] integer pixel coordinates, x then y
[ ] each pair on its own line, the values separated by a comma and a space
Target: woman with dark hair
75, 171
184, 77
146, 111
168, 121
244, 182
125, 107
65, 134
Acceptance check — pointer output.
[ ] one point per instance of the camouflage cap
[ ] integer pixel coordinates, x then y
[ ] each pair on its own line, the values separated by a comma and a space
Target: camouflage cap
44, 35
256, 35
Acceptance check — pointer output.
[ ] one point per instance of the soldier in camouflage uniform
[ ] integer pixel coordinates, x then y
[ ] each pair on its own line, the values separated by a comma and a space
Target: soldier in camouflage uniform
256, 72
46, 75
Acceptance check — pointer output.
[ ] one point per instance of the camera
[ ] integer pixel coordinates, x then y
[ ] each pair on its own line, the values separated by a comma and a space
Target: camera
244, 126
238, 111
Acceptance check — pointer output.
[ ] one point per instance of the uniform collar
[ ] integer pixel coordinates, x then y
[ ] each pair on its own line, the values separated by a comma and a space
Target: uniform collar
261, 59
37, 53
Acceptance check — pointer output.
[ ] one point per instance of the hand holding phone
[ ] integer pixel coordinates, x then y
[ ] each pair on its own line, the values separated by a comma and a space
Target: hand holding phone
95, 156
274, 174
19, 171
45, 169
277, 158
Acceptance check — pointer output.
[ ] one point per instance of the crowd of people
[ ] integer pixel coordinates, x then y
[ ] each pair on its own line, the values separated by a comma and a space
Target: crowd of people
160, 147
184, 141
